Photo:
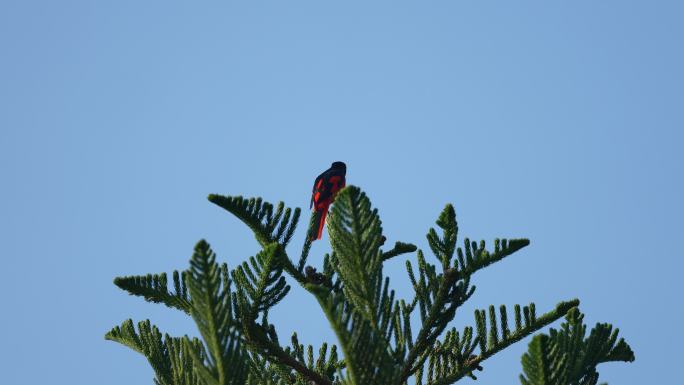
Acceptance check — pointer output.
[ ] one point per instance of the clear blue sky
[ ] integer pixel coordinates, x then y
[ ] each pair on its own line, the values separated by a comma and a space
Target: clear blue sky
557, 121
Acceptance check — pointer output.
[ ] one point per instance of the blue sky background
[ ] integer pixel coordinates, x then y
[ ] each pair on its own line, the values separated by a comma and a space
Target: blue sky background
557, 121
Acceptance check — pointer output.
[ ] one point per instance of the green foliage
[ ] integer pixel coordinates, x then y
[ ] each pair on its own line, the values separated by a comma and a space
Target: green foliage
383, 339
566, 357
260, 282
399, 249
169, 357
268, 225
356, 235
154, 289
212, 311
324, 364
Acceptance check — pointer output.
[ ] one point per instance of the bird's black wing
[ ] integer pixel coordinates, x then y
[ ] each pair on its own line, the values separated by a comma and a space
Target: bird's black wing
313, 191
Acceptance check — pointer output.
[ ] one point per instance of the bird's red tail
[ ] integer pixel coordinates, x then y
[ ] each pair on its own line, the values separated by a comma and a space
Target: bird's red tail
321, 223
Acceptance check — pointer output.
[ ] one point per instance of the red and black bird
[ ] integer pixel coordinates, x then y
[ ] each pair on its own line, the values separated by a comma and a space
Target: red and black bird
325, 187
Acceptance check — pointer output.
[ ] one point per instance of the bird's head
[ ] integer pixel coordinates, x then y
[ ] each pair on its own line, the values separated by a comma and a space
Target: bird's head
339, 166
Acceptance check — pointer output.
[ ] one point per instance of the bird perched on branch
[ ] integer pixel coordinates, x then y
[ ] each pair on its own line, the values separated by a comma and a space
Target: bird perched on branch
325, 187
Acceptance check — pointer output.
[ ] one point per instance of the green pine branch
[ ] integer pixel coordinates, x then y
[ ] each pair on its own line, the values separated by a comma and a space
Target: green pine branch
154, 288
269, 224
476, 256
284, 359
227, 320
493, 338
438, 295
438, 298
568, 357
356, 236
260, 282
212, 311
169, 357
308, 241
399, 249
325, 364
360, 313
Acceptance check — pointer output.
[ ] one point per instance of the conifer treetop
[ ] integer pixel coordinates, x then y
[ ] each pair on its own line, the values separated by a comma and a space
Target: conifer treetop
382, 339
